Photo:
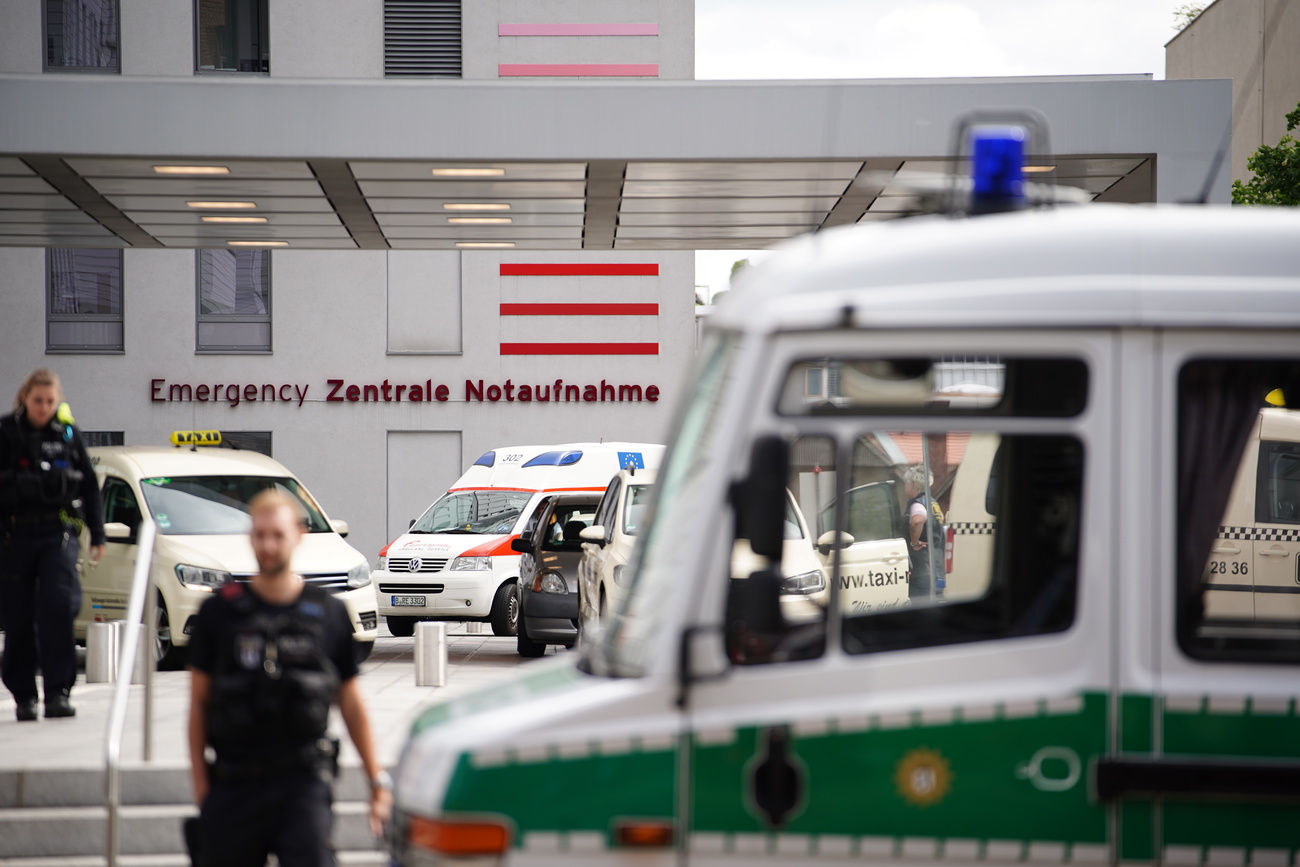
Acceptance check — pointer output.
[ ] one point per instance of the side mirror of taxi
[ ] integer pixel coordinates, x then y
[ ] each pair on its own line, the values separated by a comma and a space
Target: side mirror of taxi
594, 533
521, 545
117, 532
340, 527
833, 540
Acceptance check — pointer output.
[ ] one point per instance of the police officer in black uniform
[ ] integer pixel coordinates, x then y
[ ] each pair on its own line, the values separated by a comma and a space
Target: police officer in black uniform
267, 660
45, 477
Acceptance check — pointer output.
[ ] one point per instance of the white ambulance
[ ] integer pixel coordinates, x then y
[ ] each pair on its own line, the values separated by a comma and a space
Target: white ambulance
456, 562
1081, 703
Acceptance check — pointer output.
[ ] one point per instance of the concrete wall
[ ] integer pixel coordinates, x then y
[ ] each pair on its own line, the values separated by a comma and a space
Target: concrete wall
157, 37
20, 38
331, 315
335, 39
673, 49
1256, 43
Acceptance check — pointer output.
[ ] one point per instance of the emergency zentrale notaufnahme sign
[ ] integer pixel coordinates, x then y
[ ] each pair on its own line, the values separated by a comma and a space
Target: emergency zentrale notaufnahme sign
342, 391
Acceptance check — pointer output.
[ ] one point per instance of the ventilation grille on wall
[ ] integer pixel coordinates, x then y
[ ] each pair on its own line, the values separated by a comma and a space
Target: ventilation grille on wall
422, 37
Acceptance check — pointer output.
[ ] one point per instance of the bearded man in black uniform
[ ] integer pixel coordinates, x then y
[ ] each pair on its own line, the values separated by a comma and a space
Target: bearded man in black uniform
46, 479
267, 661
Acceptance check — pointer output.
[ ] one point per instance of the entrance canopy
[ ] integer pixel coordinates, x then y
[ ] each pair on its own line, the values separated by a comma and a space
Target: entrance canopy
312, 164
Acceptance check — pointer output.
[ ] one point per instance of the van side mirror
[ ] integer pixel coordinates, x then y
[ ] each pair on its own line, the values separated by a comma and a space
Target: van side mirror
760, 498
117, 532
521, 545
833, 540
410, 523
340, 527
594, 533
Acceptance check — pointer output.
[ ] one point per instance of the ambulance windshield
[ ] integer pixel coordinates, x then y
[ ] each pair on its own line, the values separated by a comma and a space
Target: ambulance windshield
478, 513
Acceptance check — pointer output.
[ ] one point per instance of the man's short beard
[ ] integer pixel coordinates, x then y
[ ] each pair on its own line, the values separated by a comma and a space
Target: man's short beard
269, 566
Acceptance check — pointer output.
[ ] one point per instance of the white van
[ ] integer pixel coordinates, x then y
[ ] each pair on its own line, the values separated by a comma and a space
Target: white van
197, 498
456, 563
1082, 702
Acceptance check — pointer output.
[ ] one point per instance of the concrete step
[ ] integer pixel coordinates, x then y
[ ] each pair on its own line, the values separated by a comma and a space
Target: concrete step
84, 787
145, 830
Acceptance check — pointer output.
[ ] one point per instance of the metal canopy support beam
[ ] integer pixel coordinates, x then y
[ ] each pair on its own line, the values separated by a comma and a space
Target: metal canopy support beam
860, 194
85, 197
604, 190
341, 189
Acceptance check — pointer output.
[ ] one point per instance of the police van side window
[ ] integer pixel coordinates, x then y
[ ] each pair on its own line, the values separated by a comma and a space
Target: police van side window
1238, 567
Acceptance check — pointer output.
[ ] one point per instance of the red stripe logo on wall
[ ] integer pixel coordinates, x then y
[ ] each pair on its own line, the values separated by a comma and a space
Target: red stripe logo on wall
532, 269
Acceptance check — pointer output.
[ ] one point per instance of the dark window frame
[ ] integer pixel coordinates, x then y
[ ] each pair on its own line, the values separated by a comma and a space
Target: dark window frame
78, 70
1263, 476
201, 318
266, 38
51, 316
90, 438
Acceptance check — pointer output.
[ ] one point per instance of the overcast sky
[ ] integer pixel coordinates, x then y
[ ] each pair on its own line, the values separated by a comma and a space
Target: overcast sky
922, 39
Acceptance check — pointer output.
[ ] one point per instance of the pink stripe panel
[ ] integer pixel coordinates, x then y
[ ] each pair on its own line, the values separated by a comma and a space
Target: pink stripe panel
577, 29
577, 69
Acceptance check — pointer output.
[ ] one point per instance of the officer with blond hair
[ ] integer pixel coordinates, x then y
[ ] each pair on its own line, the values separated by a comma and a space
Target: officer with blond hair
268, 660
47, 488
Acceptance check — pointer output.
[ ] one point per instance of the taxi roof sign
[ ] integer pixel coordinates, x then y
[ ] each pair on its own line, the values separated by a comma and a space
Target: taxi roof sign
196, 438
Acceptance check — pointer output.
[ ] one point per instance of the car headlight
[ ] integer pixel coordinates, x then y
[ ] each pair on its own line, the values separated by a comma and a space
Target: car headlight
383, 564
471, 564
805, 583
553, 582
359, 575
198, 578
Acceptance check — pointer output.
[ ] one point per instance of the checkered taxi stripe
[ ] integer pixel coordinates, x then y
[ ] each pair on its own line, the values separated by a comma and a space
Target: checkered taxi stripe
972, 528
1260, 534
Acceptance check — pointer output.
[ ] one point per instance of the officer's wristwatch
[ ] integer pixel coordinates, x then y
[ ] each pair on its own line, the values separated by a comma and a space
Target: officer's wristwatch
382, 780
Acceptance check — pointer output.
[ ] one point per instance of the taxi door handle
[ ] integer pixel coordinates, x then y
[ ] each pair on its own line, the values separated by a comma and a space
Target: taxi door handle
1275, 552
893, 559
1226, 549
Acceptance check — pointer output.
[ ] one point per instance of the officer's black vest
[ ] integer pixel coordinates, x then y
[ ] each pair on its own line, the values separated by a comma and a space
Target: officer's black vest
273, 680
38, 474
933, 523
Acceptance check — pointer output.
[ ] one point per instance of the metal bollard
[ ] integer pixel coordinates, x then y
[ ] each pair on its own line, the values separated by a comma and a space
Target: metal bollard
430, 654
474, 627
101, 653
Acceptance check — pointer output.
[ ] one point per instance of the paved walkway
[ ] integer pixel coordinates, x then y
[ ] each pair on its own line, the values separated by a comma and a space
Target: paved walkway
387, 680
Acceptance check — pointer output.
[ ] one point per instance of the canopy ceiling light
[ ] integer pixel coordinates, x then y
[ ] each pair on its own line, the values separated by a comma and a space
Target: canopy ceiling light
485, 245
233, 219
480, 221
257, 243
469, 172
471, 206
221, 205
191, 170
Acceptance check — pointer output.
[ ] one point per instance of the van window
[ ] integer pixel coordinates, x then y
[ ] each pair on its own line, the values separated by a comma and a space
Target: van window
1044, 387
638, 500
1277, 491
1238, 566
958, 574
120, 505
566, 521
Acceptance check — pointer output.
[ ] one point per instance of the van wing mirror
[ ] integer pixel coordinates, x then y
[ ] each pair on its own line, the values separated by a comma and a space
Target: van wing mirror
594, 533
340, 527
118, 532
760, 498
521, 545
833, 540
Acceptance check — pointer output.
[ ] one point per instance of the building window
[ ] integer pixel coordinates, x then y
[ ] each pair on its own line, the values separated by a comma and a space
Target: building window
231, 36
84, 300
234, 303
247, 440
422, 38
81, 35
92, 438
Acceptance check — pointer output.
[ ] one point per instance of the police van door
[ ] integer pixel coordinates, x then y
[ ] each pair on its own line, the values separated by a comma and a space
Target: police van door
1208, 766
959, 728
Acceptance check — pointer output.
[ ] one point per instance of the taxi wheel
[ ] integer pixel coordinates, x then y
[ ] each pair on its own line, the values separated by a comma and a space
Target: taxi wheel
505, 610
167, 655
400, 627
528, 648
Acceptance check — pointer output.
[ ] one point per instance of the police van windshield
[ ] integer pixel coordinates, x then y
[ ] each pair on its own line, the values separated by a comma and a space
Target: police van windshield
479, 513
218, 505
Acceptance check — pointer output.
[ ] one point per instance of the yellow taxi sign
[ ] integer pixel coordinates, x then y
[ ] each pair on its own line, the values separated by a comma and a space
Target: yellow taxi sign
196, 438
1275, 397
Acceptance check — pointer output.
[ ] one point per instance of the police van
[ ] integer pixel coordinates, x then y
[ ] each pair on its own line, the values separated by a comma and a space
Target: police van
455, 562
196, 495
1084, 700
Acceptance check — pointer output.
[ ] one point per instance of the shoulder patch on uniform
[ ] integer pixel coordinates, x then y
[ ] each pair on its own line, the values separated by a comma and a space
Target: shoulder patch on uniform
311, 609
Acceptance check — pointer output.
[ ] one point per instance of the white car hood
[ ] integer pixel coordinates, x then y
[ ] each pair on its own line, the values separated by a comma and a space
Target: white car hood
317, 553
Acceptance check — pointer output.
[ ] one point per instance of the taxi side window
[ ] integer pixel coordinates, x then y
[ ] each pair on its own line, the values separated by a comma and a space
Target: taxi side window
605, 514
563, 527
121, 506
1277, 490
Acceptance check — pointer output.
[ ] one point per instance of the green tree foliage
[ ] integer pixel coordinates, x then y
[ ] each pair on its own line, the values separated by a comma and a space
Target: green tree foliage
1277, 172
1186, 14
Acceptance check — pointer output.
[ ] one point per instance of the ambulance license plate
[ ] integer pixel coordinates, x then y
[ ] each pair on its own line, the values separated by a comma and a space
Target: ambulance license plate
414, 601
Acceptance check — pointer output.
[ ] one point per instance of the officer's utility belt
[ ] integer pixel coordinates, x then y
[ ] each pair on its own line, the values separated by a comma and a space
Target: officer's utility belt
321, 754
54, 518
